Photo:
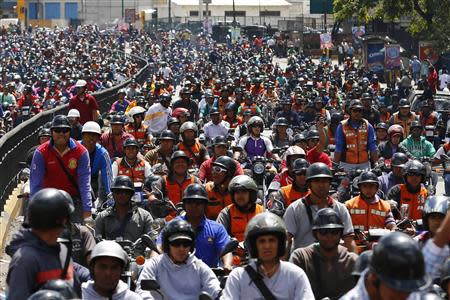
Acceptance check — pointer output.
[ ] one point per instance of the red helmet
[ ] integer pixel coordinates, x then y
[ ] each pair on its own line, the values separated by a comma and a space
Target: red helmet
180, 111
395, 129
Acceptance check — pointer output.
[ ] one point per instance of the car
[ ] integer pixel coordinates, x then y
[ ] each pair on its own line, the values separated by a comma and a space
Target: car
441, 100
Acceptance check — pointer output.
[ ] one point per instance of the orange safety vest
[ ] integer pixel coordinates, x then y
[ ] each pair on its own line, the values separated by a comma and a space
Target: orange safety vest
405, 124
431, 120
331, 138
239, 220
385, 117
245, 107
233, 124
194, 154
415, 201
136, 173
140, 134
356, 142
290, 194
175, 190
217, 201
367, 216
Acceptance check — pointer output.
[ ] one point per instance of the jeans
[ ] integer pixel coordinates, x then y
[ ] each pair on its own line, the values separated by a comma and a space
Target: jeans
447, 184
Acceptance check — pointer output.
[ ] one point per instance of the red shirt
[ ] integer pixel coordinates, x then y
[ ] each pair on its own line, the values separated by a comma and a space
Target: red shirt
433, 81
312, 156
205, 171
85, 107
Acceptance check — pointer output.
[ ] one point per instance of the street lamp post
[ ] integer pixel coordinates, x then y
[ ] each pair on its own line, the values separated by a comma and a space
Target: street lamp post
170, 14
123, 11
234, 15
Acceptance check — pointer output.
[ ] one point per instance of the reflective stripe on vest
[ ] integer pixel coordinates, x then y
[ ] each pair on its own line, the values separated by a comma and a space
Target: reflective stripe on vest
415, 201
367, 216
136, 173
140, 134
239, 220
356, 142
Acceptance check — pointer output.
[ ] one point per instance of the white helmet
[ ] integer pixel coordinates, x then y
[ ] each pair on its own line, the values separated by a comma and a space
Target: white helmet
136, 110
73, 113
92, 127
81, 83
293, 150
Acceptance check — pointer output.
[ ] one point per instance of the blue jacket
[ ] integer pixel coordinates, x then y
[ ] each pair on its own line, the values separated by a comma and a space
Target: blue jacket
101, 162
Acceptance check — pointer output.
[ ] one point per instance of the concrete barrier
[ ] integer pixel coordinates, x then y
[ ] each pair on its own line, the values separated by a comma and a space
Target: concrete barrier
12, 210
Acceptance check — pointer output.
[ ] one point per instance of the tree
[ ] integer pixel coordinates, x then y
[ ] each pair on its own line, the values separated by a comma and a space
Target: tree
430, 19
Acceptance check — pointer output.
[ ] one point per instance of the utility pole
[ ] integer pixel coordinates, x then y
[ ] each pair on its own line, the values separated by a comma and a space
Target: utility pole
123, 10
234, 15
170, 14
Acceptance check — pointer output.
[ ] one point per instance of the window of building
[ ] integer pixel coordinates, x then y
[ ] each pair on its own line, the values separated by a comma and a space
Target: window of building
270, 13
52, 10
71, 10
194, 13
237, 13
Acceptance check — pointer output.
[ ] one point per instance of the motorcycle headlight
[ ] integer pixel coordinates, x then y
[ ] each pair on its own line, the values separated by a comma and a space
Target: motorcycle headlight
258, 168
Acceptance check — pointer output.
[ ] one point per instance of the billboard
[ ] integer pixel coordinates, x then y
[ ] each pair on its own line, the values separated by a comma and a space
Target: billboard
392, 56
375, 57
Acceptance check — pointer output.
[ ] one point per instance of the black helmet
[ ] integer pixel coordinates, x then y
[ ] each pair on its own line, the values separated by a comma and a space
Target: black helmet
61, 286
327, 218
336, 118
445, 274
299, 137
173, 120
44, 132
263, 224
177, 229
195, 191
47, 295
415, 167
179, 154
130, 143
48, 207
366, 96
368, 177
355, 104
415, 124
281, 122
188, 126
300, 164
220, 140
318, 170
403, 103
362, 263
398, 263
399, 159
434, 205
167, 135
150, 181
243, 182
117, 119
60, 121
312, 134
231, 106
123, 182
226, 163
382, 125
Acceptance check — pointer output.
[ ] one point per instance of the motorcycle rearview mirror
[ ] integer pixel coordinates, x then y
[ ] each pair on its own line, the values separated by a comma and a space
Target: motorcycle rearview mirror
204, 296
232, 245
148, 242
149, 285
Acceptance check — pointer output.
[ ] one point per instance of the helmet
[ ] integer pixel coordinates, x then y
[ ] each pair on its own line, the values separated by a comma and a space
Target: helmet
312, 134
116, 119
150, 180
61, 286
231, 106
214, 111
415, 167
281, 122
177, 229
366, 96
123, 182
195, 191
172, 120
382, 125
327, 218
227, 163
165, 97
415, 124
136, 110
73, 113
48, 207
47, 295
167, 135
255, 121
434, 205
399, 159
336, 118
362, 262
299, 165
445, 273
209, 93
293, 151
179, 154
243, 182
91, 127
81, 83
355, 104
395, 129
220, 140
263, 224
318, 170
121, 91
130, 143
398, 263
44, 132
60, 121
185, 91
403, 103
368, 177
180, 111
188, 126
108, 249
299, 137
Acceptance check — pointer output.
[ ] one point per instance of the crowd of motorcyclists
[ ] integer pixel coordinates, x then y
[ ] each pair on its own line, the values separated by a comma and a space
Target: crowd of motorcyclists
179, 191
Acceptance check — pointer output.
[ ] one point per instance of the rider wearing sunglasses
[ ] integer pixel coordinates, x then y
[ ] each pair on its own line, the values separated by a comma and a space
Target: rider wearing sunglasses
323, 260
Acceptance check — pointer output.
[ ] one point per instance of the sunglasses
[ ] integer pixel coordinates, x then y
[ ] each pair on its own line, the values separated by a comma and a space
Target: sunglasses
59, 130
217, 169
332, 231
181, 243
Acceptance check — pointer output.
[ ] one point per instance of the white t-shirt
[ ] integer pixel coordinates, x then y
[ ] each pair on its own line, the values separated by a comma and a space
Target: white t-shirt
444, 79
156, 118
